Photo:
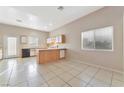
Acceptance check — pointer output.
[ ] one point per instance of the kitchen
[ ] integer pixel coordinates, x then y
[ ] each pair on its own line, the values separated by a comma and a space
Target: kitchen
53, 52
74, 49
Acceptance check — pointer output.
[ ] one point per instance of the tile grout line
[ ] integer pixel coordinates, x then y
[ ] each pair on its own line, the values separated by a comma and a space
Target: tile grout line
93, 77
75, 69
12, 71
111, 79
63, 80
44, 79
51, 78
10, 74
78, 74
26, 77
41, 76
60, 73
74, 77
58, 77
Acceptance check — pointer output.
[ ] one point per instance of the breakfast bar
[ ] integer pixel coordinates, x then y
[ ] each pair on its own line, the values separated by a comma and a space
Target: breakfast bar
50, 55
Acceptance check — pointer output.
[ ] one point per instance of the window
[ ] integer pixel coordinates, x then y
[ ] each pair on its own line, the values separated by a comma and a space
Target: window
88, 40
33, 41
98, 39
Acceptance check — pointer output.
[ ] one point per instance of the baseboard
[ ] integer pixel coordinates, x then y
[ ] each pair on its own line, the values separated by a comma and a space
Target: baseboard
98, 66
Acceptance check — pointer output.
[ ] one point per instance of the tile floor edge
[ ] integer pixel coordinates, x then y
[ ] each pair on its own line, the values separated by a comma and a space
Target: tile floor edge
98, 66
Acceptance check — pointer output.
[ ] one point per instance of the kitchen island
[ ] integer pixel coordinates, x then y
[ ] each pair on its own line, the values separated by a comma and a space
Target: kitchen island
50, 55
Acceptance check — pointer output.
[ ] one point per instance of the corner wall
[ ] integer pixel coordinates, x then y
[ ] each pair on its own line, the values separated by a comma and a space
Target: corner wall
104, 17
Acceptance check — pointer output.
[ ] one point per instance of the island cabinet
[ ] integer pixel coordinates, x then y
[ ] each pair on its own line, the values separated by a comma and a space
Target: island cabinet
50, 55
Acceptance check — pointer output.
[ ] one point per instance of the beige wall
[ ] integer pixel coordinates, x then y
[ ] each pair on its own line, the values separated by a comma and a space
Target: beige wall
7, 30
101, 18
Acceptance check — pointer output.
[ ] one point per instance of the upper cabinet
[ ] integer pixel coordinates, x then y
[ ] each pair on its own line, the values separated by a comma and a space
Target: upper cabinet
48, 40
57, 39
60, 39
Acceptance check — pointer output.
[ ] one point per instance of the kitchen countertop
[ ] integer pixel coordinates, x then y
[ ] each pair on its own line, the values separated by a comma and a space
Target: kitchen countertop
41, 48
53, 49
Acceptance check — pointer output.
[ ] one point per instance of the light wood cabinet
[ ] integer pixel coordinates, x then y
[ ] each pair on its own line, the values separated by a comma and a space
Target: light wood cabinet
60, 39
50, 55
57, 39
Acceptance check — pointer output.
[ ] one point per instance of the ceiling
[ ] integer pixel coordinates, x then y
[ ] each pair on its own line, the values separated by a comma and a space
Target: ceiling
43, 18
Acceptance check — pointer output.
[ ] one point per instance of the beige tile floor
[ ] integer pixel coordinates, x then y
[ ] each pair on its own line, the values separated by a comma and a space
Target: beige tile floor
26, 72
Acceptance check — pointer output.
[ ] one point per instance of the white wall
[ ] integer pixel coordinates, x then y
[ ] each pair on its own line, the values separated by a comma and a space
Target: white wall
7, 30
108, 16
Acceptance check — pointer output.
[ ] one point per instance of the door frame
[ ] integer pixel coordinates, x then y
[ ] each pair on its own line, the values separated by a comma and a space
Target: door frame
5, 46
123, 43
2, 53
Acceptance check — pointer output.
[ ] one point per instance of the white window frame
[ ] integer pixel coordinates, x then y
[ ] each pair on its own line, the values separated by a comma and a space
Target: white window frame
111, 50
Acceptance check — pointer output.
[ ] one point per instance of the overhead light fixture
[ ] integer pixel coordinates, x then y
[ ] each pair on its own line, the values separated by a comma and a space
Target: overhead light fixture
60, 8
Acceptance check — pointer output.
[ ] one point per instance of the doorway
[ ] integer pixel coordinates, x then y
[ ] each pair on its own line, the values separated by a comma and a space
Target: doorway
11, 50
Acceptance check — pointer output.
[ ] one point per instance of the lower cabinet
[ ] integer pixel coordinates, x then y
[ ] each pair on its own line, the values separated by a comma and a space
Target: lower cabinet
62, 54
32, 52
45, 56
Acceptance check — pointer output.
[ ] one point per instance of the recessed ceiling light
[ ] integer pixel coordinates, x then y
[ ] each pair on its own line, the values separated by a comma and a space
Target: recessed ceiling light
18, 20
45, 27
50, 24
60, 8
